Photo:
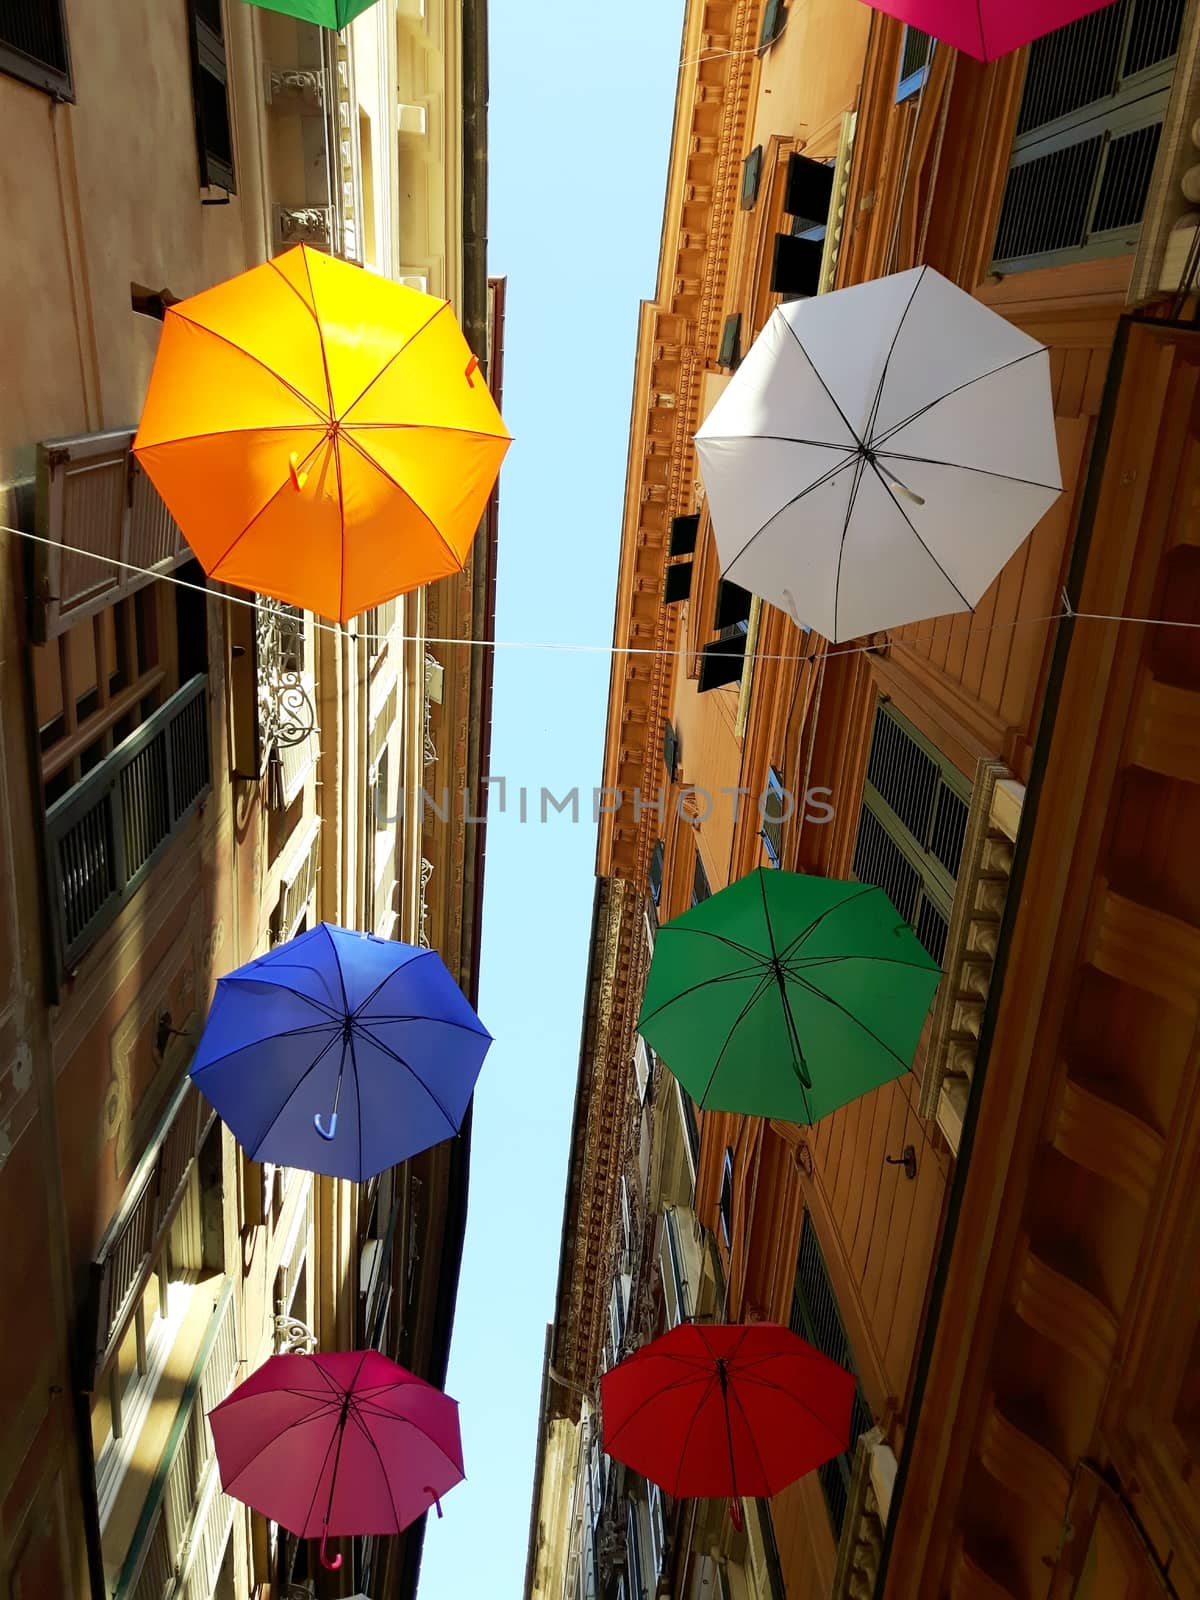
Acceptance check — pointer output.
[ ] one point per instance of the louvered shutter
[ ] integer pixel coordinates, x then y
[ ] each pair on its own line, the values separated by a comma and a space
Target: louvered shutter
93, 497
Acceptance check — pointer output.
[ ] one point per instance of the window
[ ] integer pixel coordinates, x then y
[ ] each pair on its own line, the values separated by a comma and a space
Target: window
730, 352
656, 872
210, 96
700, 888
678, 583
658, 1533
911, 827
732, 614
774, 17
121, 702
33, 45
773, 818
916, 52
637, 1580
683, 535
796, 264
815, 1317
722, 662
670, 751
1087, 137
725, 1204
751, 175
809, 192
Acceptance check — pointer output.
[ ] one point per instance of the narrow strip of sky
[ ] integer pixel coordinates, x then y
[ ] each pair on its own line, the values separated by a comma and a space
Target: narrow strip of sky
579, 131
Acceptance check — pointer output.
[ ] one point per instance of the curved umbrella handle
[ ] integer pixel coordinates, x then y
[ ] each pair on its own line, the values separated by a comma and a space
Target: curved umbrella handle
332, 1125
330, 1564
735, 1515
432, 1493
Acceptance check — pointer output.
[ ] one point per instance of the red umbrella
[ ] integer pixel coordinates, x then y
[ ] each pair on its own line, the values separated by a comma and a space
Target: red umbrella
988, 28
726, 1410
340, 1444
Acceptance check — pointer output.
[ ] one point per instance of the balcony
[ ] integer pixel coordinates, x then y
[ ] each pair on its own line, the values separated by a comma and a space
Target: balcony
180, 1538
105, 835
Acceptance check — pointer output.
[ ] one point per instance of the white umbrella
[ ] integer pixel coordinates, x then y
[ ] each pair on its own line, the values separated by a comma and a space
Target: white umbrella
880, 454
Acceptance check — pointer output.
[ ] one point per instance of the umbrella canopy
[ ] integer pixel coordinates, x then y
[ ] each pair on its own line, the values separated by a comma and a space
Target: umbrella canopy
787, 996
340, 1053
328, 13
335, 1445
880, 454
988, 28
320, 434
706, 1412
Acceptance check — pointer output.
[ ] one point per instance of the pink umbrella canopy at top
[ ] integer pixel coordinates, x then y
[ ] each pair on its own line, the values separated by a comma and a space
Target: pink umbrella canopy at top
335, 1445
987, 29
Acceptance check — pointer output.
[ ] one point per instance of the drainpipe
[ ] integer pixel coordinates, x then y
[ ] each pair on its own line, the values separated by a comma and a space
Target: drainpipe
1041, 754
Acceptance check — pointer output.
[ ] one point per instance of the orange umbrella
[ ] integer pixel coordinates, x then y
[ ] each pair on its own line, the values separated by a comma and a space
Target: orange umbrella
321, 434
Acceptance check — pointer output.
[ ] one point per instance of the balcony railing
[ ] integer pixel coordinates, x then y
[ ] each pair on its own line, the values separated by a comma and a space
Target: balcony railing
106, 834
173, 1541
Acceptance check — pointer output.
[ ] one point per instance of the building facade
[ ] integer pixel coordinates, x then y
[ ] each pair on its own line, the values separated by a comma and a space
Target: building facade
997, 1243
189, 778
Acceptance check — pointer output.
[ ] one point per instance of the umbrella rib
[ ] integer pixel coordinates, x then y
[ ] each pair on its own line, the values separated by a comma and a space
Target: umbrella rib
233, 433
826, 477
982, 34
250, 356
386, 979
779, 1388
724, 977
913, 530
337, 457
407, 493
775, 438
413, 1073
300, 1422
415, 335
288, 1098
790, 949
821, 381
426, 427
950, 393
737, 1022
808, 962
837, 1006
892, 351
287, 1033
762, 1466
701, 1374
262, 510
707, 933
961, 466
407, 1422
440, 1022
837, 586
369, 1437
700, 1404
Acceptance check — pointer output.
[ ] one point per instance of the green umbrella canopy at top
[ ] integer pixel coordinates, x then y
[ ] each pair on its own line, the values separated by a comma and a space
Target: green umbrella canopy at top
328, 13
787, 996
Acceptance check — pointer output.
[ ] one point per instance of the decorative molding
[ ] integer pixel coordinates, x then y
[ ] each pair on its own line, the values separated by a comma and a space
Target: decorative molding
979, 900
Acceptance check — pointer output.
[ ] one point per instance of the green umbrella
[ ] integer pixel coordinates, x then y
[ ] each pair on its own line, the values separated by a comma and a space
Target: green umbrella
787, 996
328, 13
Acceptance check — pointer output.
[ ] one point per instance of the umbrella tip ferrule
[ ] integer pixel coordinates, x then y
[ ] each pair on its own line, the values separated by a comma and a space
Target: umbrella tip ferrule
299, 479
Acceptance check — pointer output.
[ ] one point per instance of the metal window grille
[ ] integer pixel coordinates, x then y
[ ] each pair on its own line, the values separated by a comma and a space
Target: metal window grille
637, 1581
815, 1317
911, 827
33, 44
656, 871
916, 52
725, 1205
1087, 138
106, 832
210, 95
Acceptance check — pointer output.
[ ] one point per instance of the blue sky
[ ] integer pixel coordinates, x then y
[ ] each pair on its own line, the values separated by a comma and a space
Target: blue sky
579, 132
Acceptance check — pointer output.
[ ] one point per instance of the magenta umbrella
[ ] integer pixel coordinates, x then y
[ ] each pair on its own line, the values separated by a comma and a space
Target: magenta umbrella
335, 1445
988, 28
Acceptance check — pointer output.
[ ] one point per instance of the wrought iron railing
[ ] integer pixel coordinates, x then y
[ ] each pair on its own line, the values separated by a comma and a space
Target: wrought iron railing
107, 832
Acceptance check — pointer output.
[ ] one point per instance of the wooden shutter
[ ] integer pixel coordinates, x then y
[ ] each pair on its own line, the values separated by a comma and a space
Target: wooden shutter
210, 95
751, 174
796, 266
731, 341
721, 663
772, 22
683, 535
733, 605
93, 496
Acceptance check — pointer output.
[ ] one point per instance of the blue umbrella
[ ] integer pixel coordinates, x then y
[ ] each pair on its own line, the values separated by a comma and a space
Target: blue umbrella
340, 1053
